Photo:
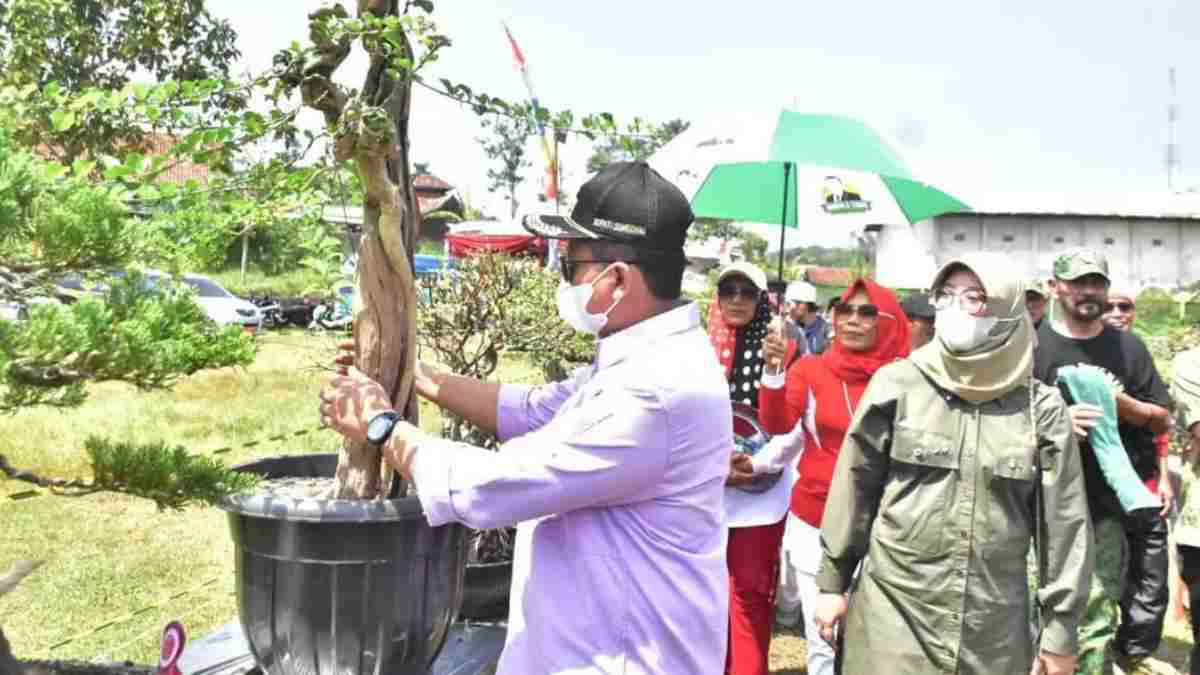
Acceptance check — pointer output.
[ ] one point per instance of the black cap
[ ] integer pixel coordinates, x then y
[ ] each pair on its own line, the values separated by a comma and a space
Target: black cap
626, 202
916, 306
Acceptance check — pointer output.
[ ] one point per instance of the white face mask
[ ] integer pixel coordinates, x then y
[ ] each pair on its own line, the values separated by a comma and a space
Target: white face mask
572, 304
962, 332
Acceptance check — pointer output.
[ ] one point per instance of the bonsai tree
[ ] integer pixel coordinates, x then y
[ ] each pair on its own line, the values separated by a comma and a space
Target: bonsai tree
493, 304
109, 207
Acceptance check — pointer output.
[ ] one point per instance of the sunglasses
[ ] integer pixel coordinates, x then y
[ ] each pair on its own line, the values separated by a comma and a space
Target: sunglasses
570, 267
1125, 307
866, 312
730, 291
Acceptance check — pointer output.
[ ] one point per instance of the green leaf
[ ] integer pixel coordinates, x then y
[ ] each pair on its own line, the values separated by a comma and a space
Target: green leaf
62, 120
89, 99
83, 168
426, 5
117, 172
148, 192
136, 161
52, 170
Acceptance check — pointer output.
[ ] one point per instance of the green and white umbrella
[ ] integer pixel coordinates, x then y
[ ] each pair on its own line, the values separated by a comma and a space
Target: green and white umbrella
804, 170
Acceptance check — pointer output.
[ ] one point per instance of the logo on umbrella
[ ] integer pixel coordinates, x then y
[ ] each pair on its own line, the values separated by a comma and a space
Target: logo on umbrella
842, 197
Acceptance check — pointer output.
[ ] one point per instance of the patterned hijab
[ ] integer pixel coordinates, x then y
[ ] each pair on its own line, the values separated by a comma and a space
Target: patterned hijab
740, 350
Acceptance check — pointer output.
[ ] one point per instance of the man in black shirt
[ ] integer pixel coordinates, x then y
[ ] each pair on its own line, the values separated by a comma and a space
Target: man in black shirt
1131, 549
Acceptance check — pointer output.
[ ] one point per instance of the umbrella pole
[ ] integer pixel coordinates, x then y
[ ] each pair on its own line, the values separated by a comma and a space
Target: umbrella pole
787, 172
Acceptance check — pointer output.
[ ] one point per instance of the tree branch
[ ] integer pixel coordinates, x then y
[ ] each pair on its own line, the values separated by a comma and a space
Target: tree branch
31, 477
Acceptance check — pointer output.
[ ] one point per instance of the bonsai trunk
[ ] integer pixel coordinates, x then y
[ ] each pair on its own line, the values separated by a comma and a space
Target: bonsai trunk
385, 327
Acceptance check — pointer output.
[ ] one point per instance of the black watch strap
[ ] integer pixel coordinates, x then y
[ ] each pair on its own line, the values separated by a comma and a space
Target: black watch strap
379, 429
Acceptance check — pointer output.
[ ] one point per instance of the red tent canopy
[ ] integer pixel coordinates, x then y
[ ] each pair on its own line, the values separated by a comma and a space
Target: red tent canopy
464, 244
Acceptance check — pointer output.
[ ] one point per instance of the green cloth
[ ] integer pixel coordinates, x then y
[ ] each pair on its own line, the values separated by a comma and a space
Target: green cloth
1089, 384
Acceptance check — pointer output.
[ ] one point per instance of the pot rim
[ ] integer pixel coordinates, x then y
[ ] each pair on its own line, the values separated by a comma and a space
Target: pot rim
258, 504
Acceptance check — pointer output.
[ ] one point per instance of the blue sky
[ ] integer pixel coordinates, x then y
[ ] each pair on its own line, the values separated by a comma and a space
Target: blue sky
1035, 97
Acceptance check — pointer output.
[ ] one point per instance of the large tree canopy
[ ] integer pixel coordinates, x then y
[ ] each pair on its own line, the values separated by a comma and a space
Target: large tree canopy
106, 44
109, 206
52, 223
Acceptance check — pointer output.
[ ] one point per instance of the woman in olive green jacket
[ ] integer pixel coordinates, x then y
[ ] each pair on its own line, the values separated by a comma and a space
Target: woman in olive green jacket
936, 493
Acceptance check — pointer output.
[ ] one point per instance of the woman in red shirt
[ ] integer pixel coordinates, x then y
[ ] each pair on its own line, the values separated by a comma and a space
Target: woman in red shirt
809, 410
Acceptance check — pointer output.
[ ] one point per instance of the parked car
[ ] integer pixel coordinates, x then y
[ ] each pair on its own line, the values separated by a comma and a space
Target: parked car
17, 312
11, 311
223, 307
71, 286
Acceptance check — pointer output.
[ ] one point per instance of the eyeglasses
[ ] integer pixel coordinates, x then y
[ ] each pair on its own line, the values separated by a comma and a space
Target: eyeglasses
570, 267
730, 291
867, 312
971, 300
1125, 307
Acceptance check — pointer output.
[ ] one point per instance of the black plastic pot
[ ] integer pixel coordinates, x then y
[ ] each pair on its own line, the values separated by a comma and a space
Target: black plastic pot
341, 587
485, 590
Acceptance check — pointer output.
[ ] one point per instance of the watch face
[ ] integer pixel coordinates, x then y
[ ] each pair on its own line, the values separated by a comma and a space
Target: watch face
379, 427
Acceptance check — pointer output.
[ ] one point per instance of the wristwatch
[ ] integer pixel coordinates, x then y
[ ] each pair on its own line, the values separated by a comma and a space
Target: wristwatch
379, 429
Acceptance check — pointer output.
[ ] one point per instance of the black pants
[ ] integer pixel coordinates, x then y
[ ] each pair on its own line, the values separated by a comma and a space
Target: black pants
1189, 569
1144, 605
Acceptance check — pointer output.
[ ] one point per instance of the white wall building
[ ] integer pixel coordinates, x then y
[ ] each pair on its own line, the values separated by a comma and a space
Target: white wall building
1148, 242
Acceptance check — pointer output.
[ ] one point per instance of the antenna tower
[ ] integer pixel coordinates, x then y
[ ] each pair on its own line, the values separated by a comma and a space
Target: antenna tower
1172, 149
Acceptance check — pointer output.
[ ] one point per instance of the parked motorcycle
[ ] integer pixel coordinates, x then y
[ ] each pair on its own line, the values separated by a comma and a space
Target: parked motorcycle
298, 312
269, 307
336, 313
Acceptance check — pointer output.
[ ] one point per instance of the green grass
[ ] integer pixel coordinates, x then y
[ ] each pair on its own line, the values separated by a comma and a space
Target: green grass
109, 554
300, 281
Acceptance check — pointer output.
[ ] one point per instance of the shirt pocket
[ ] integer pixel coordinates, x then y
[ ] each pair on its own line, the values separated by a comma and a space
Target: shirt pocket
1014, 462
1010, 462
920, 488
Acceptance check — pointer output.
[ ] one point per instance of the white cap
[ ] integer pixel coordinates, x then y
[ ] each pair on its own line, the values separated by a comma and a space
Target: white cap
748, 270
801, 291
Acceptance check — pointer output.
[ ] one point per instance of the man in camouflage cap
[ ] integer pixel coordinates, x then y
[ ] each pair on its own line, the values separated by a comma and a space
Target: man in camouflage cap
1125, 612
1035, 302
